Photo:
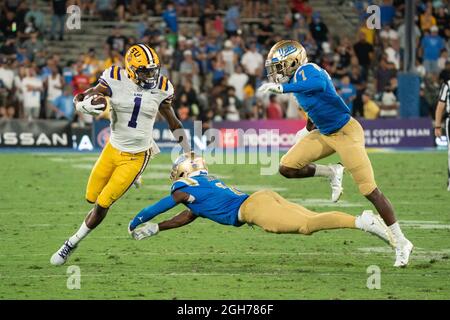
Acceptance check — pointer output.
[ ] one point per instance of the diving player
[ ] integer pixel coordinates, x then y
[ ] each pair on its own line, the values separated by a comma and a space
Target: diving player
207, 197
287, 66
136, 95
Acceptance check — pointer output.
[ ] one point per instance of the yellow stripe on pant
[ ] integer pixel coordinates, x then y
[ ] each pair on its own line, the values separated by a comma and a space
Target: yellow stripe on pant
273, 213
113, 174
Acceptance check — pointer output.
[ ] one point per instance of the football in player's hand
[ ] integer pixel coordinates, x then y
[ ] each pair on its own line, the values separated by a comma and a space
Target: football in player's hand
99, 99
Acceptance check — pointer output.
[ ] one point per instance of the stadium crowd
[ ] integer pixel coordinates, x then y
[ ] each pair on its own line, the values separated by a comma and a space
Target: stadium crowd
217, 64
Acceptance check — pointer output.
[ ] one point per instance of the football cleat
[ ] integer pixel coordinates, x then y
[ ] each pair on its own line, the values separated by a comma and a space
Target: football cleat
336, 181
402, 253
370, 222
60, 257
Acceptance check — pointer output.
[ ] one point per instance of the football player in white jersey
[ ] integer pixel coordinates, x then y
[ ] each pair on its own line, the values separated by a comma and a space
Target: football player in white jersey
135, 94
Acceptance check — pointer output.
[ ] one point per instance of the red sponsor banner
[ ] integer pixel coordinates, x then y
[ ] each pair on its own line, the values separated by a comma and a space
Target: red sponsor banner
258, 133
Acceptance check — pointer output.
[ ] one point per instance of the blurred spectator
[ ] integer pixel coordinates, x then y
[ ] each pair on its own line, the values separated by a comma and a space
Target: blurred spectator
393, 53
443, 59
238, 80
427, 20
318, 29
170, 18
105, 9
371, 109
303, 7
62, 106
258, 112
54, 85
253, 62
347, 91
232, 21
232, 106
425, 108
117, 41
387, 12
402, 36
91, 65
35, 16
385, 72
80, 81
191, 98
443, 22
274, 111
431, 48
265, 31
364, 52
229, 57
389, 103
6, 86
388, 33
58, 18
8, 25
32, 88
189, 69
33, 46
445, 74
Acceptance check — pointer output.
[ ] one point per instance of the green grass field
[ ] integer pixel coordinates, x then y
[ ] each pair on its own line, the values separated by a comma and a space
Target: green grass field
42, 204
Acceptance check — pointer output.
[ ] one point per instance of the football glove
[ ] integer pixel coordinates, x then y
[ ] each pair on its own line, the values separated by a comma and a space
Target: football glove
271, 88
146, 230
86, 107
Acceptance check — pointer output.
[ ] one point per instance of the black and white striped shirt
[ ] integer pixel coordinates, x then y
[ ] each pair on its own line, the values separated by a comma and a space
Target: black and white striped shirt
444, 95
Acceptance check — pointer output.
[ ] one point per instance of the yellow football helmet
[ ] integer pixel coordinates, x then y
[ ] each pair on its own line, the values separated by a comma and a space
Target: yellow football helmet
142, 65
284, 58
187, 163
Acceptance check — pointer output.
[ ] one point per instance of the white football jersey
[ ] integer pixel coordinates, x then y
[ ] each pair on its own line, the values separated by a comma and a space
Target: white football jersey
133, 110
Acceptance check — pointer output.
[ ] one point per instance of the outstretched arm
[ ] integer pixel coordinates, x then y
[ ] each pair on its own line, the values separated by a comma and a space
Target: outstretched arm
161, 206
150, 229
179, 220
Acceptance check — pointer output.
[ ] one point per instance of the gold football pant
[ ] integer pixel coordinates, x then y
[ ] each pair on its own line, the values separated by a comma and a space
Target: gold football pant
348, 142
113, 174
273, 213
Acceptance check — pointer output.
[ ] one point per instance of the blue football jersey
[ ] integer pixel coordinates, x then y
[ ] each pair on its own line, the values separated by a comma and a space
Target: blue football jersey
316, 94
211, 198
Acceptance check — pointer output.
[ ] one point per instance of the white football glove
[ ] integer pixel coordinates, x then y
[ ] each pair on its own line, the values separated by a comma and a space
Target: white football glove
271, 87
86, 107
146, 230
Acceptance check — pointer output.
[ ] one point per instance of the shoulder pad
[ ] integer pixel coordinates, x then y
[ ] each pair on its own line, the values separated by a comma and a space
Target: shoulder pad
182, 183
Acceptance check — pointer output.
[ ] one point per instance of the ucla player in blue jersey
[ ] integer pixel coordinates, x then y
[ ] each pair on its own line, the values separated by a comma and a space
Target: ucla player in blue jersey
207, 197
336, 131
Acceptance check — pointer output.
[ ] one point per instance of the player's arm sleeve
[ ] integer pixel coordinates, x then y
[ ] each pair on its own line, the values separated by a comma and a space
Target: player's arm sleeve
105, 80
169, 91
152, 211
307, 80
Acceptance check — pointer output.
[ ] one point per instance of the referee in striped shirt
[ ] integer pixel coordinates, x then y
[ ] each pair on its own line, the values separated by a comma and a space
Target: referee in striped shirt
443, 108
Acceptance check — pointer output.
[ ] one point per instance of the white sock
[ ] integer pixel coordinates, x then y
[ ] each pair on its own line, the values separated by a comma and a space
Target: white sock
323, 171
397, 232
358, 223
80, 234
